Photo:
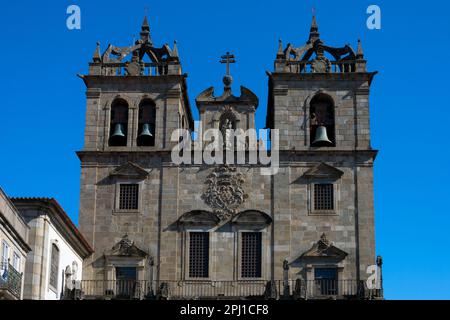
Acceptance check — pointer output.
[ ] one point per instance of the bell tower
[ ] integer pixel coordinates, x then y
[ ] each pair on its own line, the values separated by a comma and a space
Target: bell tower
136, 97
319, 101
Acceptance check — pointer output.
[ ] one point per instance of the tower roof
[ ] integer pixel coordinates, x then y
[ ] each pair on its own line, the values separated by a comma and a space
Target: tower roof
160, 57
317, 57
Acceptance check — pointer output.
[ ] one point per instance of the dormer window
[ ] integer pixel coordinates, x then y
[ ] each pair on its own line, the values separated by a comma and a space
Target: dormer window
322, 126
146, 125
119, 123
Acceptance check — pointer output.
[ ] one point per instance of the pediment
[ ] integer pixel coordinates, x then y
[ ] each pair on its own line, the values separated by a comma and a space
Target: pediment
198, 218
323, 171
246, 97
323, 249
252, 219
126, 248
129, 170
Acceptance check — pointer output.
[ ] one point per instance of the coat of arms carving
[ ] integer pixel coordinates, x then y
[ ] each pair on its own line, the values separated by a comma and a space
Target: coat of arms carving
224, 193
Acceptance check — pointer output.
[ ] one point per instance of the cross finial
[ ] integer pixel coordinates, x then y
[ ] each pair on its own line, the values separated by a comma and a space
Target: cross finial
228, 59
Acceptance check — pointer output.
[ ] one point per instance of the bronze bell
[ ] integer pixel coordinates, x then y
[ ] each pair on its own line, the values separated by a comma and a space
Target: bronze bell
118, 131
321, 135
146, 131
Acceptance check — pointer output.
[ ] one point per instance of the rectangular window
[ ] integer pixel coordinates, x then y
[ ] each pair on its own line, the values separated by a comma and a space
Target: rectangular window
5, 254
326, 281
323, 197
54, 266
199, 255
16, 261
251, 255
128, 196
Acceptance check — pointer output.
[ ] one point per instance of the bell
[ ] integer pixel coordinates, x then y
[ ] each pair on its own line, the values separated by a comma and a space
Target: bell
118, 131
321, 135
146, 130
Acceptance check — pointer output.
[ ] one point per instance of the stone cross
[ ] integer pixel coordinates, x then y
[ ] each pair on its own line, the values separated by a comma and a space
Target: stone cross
227, 58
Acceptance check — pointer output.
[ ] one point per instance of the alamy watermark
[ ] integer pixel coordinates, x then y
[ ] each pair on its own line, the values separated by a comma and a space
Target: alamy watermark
374, 20
73, 21
227, 146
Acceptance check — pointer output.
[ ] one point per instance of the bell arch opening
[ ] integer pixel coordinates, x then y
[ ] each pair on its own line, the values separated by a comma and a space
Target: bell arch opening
146, 123
322, 121
118, 123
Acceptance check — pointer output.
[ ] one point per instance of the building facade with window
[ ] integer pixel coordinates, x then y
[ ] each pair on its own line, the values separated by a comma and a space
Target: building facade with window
187, 231
58, 249
13, 249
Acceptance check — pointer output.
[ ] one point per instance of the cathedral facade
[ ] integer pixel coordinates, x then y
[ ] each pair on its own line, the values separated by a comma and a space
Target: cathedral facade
166, 230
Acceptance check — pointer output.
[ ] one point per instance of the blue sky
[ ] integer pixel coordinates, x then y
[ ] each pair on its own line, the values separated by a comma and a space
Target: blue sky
43, 102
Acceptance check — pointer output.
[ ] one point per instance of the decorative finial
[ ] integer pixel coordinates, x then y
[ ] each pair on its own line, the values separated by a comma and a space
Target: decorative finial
314, 31
280, 49
175, 49
360, 52
227, 79
97, 57
145, 31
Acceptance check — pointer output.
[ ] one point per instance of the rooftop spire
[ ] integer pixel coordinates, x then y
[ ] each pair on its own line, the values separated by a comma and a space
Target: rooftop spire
97, 56
359, 53
175, 49
280, 49
145, 31
314, 31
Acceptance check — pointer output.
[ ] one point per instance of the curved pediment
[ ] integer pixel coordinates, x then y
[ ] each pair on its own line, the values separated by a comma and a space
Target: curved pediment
198, 218
247, 97
252, 219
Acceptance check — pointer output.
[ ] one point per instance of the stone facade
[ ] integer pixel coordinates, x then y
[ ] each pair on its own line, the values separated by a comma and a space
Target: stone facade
48, 272
172, 202
14, 247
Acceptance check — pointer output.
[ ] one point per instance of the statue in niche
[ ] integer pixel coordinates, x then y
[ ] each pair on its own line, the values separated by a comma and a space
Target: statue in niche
227, 133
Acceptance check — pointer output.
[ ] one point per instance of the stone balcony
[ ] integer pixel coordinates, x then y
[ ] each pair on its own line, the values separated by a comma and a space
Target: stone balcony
218, 290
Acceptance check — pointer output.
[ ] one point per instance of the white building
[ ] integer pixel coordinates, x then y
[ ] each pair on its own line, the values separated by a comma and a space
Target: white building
13, 249
58, 249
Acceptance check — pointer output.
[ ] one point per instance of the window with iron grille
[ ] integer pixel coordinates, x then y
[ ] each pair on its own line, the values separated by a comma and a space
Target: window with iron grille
128, 196
323, 197
198, 255
54, 266
251, 255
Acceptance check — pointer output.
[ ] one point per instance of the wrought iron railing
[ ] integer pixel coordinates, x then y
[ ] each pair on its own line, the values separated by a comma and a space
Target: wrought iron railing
10, 279
246, 289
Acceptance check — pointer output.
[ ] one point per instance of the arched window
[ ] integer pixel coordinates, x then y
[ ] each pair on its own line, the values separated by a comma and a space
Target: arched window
322, 126
54, 266
119, 123
146, 125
